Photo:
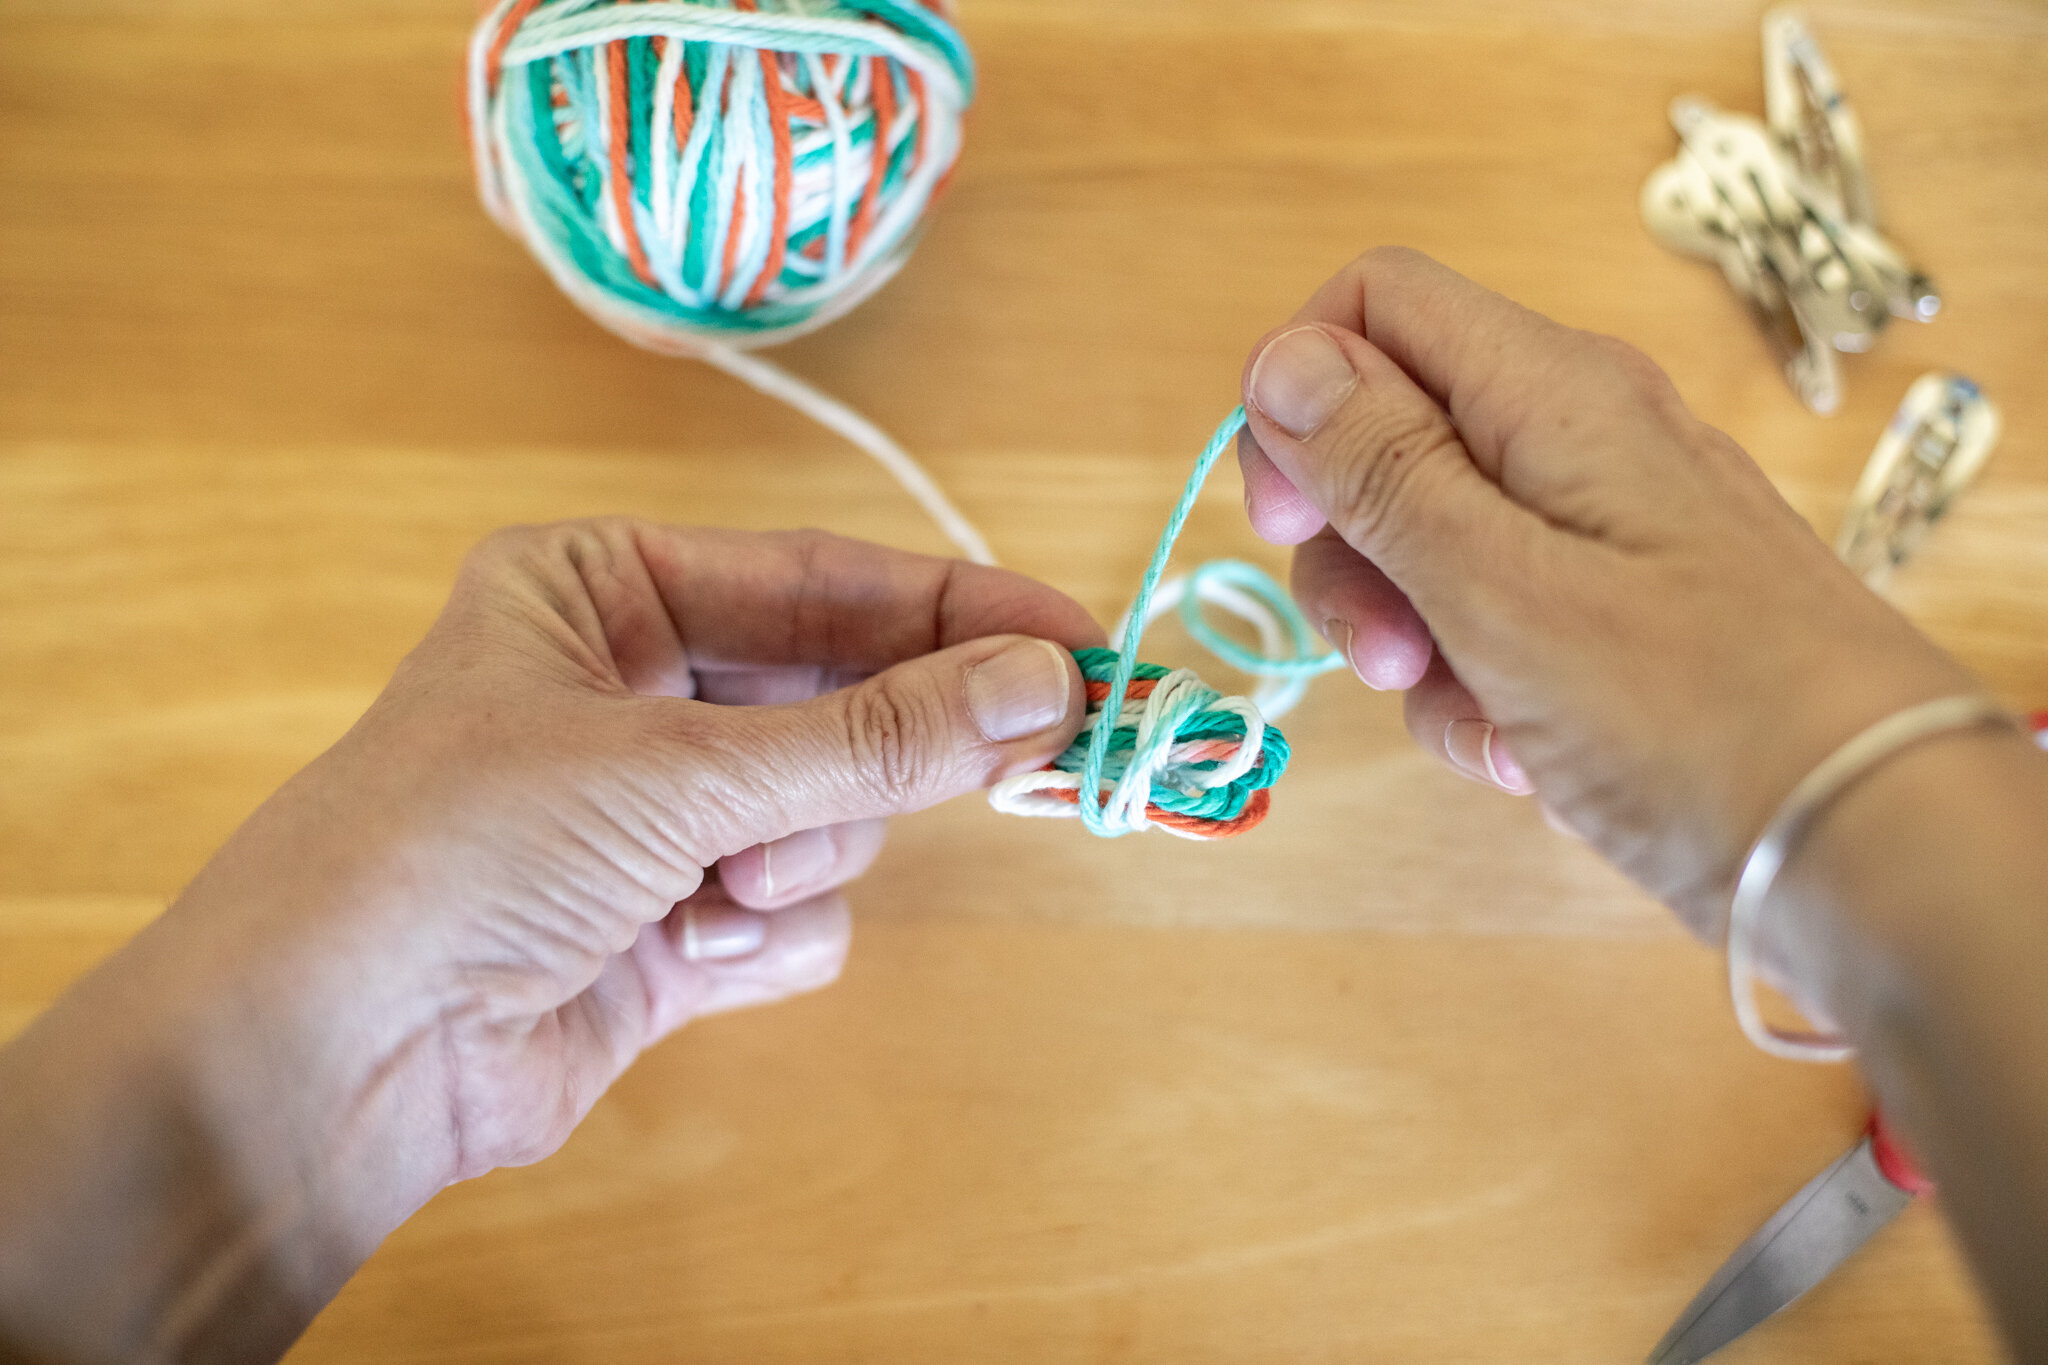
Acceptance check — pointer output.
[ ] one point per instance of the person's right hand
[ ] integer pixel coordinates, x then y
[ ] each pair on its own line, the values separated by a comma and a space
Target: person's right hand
1586, 591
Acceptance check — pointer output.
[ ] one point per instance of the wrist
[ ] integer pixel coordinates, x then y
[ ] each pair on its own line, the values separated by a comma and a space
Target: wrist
1915, 917
191, 1164
1890, 886
1749, 768
322, 1065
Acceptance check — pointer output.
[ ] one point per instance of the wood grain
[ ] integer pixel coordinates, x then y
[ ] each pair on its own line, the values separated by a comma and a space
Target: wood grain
1403, 1077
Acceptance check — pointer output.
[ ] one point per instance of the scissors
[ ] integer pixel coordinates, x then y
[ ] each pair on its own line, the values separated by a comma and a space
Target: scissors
1818, 1228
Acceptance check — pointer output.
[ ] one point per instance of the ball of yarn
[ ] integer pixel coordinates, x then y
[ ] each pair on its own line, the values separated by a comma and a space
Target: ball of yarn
731, 173
1178, 755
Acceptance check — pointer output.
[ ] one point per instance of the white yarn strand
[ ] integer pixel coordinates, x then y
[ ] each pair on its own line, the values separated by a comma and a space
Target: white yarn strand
1275, 694
836, 417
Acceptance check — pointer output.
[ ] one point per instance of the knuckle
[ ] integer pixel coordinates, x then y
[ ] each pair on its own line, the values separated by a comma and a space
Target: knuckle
893, 734
1387, 257
504, 545
1388, 452
492, 573
531, 546
710, 791
584, 542
811, 549
811, 552
1627, 366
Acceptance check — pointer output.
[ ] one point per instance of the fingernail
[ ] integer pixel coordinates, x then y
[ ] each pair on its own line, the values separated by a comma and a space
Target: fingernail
1020, 691
721, 934
1505, 770
1476, 750
797, 862
1381, 674
1300, 379
1339, 633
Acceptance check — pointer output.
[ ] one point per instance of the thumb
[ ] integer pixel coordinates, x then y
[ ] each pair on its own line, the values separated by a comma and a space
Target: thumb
1376, 456
906, 738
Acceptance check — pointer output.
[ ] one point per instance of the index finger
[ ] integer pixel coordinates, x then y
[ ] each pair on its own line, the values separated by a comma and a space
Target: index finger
812, 598
659, 605
1474, 352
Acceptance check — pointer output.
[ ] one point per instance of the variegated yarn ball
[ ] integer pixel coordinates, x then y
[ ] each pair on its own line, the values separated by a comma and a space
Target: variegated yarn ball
733, 172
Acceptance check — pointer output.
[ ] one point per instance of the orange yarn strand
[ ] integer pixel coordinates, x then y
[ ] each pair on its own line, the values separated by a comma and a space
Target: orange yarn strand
620, 129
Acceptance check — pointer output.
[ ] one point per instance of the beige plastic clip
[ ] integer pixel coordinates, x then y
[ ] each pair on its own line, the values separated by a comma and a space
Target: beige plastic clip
1936, 444
1785, 209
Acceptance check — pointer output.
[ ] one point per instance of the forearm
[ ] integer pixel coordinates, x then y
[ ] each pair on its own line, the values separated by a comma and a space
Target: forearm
166, 1191
1918, 912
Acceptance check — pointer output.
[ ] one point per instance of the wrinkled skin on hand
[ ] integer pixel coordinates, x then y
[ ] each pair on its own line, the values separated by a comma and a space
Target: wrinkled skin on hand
1586, 591
618, 786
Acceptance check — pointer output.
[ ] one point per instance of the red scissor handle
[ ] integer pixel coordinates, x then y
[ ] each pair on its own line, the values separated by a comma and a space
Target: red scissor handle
1893, 1159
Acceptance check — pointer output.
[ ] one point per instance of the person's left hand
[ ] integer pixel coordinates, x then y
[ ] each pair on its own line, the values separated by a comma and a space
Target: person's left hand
617, 787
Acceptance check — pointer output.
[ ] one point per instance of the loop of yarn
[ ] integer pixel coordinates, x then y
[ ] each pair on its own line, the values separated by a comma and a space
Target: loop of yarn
1290, 653
715, 172
1170, 751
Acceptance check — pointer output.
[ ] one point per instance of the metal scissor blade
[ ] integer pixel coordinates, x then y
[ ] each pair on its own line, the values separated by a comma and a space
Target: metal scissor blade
1812, 1234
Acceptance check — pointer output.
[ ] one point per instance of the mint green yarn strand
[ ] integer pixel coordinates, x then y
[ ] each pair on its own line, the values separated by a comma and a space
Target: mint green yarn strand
1309, 658
1134, 629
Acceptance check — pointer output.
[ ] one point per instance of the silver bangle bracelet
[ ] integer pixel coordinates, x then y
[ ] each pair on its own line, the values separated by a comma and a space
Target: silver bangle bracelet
1815, 792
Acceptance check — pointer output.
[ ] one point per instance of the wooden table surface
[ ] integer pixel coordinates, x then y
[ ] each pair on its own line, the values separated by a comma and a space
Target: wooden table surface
1402, 1077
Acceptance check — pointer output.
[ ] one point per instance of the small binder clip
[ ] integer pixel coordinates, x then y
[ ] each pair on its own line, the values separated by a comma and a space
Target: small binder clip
1936, 444
1785, 209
